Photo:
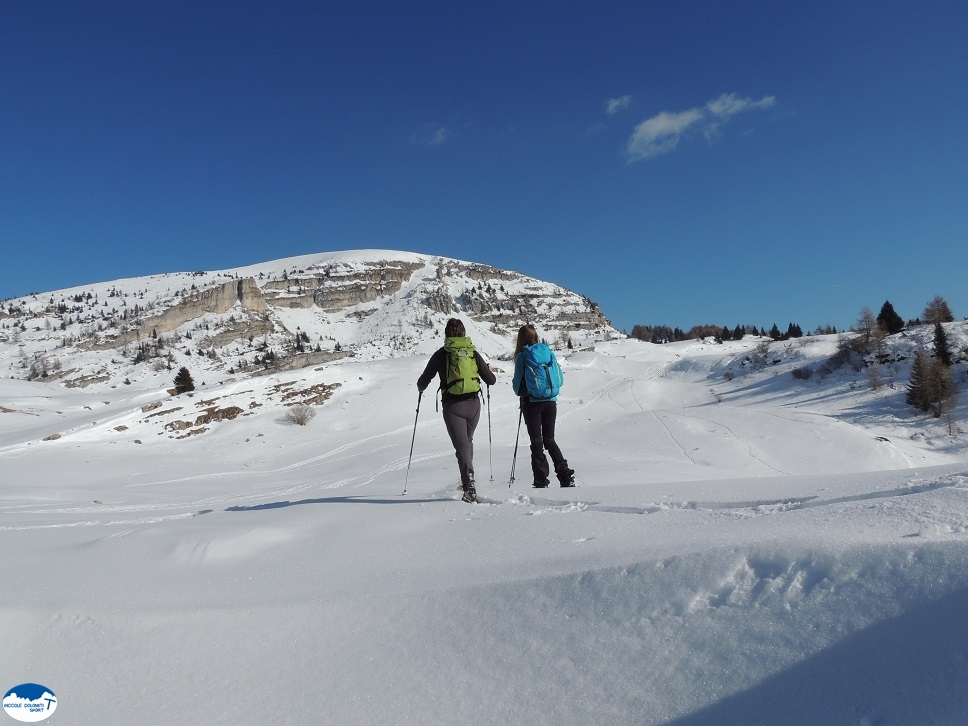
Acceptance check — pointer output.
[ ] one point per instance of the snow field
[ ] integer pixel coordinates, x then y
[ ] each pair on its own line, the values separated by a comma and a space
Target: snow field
749, 551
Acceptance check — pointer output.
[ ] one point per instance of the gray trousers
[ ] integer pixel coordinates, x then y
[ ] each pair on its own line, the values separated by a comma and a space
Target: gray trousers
460, 418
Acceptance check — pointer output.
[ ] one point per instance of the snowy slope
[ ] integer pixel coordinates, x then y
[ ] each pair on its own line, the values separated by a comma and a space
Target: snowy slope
744, 547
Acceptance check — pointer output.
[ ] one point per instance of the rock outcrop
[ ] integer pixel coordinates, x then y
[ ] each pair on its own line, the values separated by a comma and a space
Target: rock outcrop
281, 315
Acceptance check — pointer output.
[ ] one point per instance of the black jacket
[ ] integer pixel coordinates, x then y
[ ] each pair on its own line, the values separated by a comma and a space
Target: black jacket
438, 365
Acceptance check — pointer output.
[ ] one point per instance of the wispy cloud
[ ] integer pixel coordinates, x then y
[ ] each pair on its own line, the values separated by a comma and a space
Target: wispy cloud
614, 105
430, 134
660, 134
663, 132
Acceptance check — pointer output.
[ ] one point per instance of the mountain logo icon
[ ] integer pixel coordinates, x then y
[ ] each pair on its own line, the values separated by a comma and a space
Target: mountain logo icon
29, 702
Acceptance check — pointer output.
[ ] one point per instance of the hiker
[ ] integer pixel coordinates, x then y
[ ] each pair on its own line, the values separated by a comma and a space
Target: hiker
461, 370
537, 380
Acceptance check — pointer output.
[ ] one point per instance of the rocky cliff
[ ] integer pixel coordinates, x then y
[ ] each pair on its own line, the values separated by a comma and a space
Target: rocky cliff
288, 313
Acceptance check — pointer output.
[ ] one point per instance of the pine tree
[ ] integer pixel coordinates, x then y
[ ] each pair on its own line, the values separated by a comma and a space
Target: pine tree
184, 381
940, 386
931, 386
917, 391
942, 348
889, 320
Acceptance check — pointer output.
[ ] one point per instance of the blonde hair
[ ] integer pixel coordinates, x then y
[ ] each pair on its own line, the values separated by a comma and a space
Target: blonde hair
527, 335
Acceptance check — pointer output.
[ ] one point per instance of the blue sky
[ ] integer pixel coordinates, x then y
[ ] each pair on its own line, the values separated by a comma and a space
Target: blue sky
678, 163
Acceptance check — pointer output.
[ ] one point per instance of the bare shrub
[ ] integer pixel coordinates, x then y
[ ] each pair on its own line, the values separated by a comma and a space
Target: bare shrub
300, 414
759, 355
802, 374
874, 378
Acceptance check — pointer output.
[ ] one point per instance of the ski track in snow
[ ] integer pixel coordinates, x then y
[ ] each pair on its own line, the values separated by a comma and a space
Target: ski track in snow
762, 507
672, 437
533, 505
733, 435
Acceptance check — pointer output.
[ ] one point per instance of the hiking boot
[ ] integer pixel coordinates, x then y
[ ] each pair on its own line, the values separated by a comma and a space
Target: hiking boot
470, 493
566, 476
540, 484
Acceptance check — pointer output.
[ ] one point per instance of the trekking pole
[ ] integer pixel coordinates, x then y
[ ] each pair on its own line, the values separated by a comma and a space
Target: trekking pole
514, 461
490, 441
410, 458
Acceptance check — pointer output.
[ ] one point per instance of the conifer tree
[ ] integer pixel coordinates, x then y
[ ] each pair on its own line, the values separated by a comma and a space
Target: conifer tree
931, 386
940, 385
889, 320
184, 381
942, 348
917, 391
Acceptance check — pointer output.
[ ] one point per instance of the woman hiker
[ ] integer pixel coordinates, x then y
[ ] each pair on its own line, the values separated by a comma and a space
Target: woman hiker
460, 369
537, 379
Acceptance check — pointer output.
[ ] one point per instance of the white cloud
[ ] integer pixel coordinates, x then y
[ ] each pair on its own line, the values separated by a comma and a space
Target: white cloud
729, 104
614, 105
662, 133
430, 135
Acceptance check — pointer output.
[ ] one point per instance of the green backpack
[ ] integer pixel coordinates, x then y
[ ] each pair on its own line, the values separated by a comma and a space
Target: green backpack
462, 374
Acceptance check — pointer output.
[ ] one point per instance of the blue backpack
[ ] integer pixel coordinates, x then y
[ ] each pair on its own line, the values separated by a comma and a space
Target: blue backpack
542, 374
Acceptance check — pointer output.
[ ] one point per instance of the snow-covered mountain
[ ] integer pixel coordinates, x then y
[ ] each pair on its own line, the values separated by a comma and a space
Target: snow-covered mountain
280, 315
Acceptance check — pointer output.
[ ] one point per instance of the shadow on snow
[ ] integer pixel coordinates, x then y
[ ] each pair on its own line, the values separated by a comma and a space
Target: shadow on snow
910, 669
360, 499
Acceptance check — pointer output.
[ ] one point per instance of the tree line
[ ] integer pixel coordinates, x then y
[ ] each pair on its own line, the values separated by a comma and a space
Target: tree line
665, 334
887, 319
931, 388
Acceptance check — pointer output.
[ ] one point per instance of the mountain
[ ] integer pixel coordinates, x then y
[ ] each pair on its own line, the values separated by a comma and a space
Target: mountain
281, 315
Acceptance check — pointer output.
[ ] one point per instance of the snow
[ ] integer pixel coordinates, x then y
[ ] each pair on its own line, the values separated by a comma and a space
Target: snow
741, 549
64, 334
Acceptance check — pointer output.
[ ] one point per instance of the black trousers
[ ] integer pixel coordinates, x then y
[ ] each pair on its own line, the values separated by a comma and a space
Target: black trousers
539, 417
